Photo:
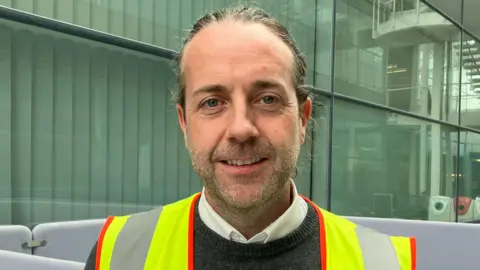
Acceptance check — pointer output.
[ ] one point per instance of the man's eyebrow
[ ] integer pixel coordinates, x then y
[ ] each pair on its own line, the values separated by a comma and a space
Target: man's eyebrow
218, 88
210, 89
266, 84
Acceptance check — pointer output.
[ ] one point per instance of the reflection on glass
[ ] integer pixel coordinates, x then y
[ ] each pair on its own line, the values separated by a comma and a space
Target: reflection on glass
469, 177
388, 165
470, 90
384, 57
470, 15
319, 149
468, 205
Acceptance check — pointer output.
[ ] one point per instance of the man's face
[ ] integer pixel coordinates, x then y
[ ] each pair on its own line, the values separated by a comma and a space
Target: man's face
243, 126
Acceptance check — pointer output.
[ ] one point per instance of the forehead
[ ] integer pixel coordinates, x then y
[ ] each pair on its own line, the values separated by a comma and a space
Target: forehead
227, 47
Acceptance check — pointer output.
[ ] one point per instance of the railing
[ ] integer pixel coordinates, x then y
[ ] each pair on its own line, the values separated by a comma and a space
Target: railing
471, 62
387, 10
380, 14
419, 103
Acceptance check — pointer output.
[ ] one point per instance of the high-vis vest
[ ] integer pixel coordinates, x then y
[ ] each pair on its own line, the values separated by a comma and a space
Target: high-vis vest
163, 239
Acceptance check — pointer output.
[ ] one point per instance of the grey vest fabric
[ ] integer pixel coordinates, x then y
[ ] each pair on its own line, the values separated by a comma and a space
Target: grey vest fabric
299, 250
133, 241
377, 250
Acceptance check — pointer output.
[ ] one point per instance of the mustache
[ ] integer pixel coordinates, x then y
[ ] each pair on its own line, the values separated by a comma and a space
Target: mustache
232, 151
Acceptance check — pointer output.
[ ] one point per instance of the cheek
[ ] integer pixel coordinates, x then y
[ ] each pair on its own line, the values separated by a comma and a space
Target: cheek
284, 132
203, 136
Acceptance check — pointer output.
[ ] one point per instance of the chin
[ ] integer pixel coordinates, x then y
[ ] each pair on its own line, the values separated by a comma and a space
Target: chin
244, 196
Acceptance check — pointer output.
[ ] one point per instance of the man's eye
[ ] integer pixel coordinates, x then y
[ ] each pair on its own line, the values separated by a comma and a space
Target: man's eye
269, 99
211, 103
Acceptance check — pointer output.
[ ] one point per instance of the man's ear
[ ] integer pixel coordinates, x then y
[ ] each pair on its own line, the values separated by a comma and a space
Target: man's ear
305, 114
181, 121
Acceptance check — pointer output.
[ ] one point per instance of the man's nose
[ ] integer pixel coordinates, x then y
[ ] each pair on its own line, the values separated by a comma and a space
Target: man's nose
242, 127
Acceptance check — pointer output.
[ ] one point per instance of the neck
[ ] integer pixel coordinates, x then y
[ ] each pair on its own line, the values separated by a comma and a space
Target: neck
252, 221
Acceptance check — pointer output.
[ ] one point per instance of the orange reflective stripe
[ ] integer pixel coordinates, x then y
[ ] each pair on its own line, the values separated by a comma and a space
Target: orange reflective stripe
323, 239
323, 233
100, 242
413, 253
191, 236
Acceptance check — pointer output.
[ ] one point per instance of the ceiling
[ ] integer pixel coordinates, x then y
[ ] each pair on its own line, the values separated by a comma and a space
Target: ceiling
471, 18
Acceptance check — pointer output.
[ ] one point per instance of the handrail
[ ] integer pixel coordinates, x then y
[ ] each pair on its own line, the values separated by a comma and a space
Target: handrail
390, 12
409, 88
83, 32
457, 24
394, 11
379, 8
418, 11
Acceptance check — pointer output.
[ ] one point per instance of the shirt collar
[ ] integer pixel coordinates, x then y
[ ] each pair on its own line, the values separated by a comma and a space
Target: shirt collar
286, 223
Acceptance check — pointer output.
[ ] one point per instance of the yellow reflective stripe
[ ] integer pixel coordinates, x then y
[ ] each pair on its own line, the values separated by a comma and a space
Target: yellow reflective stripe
169, 246
343, 249
402, 248
133, 241
109, 241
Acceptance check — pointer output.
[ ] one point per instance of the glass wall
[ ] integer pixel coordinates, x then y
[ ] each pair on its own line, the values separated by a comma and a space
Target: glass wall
394, 63
388, 169
87, 129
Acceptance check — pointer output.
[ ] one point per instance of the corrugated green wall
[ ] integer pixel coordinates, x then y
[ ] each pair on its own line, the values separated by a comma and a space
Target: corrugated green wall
86, 130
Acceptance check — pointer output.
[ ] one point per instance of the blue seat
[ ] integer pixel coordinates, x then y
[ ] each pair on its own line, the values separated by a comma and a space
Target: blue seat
19, 261
68, 240
440, 245
13, 236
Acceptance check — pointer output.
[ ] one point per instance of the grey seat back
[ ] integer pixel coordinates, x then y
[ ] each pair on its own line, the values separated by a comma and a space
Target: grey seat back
13, 236
69, 240
440, 245
18, 261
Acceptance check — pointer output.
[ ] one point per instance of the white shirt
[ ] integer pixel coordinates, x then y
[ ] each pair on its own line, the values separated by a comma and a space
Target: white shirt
286, 223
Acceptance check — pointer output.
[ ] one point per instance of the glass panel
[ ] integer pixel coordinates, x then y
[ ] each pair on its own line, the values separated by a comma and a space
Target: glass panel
86, 130
323, 45
383, 57
470, 16
299, 18
321, 57
452, 8
318, 153
470, 95
469, 177
387, 166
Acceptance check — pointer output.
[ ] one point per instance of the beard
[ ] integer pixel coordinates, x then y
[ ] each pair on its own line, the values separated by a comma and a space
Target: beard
243, 193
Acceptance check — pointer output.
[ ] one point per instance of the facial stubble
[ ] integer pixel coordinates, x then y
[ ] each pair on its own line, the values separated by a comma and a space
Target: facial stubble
275, 177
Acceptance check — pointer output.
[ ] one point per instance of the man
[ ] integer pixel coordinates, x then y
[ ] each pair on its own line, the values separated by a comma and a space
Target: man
244, 112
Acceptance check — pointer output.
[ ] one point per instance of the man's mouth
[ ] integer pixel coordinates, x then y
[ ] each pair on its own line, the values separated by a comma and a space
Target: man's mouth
243, 162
